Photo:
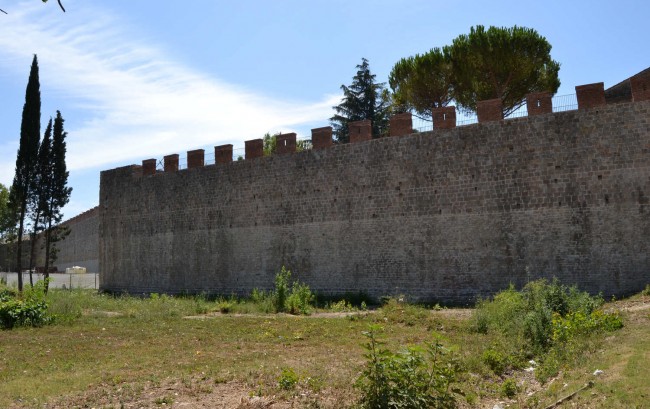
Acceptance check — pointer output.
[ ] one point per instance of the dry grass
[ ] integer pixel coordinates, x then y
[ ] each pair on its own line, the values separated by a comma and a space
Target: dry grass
129, 352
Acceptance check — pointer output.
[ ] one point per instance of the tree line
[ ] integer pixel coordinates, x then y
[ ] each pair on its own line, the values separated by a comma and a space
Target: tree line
39, 190
496, 62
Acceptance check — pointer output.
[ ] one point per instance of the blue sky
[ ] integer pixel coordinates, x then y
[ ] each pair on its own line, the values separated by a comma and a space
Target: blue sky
142, 79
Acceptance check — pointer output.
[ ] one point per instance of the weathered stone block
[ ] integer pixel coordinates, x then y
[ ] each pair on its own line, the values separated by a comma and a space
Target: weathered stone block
195, 158
223, 154
640, 84
321, 138
148, 167
401, 124
489, 110
360, 131
171, 163
590, 95
254, 148
539, 103
444, 117
285, 143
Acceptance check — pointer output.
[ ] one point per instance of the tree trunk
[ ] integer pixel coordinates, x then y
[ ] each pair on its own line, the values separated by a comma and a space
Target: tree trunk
47, 256
33, 246
19, 249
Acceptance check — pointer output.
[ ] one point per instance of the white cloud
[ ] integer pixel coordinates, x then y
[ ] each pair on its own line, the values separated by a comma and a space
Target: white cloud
134, 101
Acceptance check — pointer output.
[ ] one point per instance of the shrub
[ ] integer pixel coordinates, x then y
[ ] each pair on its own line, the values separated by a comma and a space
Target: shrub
295, 299
281, 290
288, 379
418, 377
539, 313
225, 306
509, 388
495, 360
300, 299
26, 309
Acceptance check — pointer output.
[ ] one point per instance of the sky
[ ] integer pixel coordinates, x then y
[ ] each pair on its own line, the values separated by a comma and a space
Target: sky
143, 79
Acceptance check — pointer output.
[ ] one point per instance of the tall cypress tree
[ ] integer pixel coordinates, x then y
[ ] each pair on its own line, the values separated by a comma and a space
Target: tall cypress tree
41, 183
30, 130
59, 192
363, 99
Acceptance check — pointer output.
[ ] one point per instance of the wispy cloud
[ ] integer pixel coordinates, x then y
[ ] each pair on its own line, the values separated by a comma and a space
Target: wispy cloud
135, 101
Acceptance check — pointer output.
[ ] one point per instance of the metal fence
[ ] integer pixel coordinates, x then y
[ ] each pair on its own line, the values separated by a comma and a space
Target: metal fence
561, 103
57, 280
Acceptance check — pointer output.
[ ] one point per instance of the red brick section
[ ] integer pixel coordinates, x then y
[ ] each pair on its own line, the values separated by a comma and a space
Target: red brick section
254, 149
401, 124
360, 131
285, 143
171, 163
590, 95
539, 103
195, 158
321, 138
489, 110
640, 85
149, 167
223, 154
444, 117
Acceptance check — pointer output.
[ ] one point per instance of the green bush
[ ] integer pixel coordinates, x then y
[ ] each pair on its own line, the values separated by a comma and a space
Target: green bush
503, 313
296, 298
397, 310
288, 379
26, 309
281, 290
509, 388
495, 360
548, 320
300, 299
418, 377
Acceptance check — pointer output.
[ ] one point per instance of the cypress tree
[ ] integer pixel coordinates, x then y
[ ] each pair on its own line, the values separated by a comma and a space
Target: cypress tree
30, 130
41, 191
59, 193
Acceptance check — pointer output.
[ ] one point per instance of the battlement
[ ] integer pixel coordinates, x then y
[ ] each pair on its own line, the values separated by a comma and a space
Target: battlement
538, 103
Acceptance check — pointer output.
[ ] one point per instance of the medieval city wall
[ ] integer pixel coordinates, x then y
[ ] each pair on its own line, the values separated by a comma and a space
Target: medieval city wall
79, 248
447, 215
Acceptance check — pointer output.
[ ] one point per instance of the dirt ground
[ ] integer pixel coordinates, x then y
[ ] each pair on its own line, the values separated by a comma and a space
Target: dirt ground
203, 392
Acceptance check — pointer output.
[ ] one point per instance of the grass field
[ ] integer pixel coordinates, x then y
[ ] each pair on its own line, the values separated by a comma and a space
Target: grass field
106, 351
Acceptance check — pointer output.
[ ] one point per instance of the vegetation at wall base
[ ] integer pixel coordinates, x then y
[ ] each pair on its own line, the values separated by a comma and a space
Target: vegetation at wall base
105, 350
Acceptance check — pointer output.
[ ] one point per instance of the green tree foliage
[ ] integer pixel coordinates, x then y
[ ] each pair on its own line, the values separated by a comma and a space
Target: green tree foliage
26, 159
5, 215
40, 192
363, 99
57, 191
501, 62
422, 82
270, 144
421, 376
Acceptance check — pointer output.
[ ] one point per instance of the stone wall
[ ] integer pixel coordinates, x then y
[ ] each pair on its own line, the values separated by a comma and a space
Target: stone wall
447, 215
79, 248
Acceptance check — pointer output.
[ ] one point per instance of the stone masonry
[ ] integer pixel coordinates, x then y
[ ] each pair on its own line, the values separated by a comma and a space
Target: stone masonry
447, 215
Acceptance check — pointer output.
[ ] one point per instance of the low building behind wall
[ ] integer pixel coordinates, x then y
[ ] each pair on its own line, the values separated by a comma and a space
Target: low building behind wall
443, 216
